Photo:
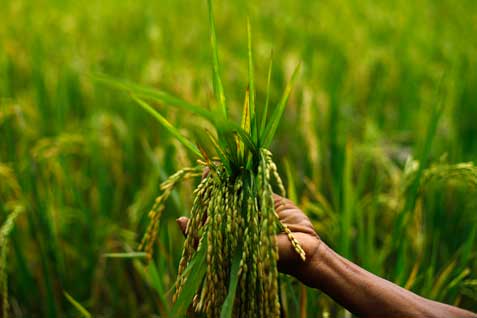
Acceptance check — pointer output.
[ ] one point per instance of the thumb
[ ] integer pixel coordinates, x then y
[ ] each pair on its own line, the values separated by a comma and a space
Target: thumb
182, 222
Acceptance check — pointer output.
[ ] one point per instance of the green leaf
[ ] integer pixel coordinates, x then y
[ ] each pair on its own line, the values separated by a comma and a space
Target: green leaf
228, 305
424, 155
154, 94
245, 122
291, 182
467, 247
218, 87
168, 126
220, 152
166, 99
267, 98
455, 282
245, 137
226, 138
126, 255
442, 278
196, 271
77, 305
151, 276
278, 112
155, 281
251, 86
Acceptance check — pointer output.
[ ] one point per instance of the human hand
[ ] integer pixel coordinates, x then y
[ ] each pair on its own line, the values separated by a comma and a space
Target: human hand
300, 226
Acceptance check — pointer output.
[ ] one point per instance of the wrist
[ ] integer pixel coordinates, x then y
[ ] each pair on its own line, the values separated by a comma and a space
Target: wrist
311, 272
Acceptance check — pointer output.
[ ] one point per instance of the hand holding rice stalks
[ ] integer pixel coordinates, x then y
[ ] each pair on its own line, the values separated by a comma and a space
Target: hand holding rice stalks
229, 261
228, 210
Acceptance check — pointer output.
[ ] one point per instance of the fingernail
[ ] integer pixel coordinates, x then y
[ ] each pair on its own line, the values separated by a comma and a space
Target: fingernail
182, 222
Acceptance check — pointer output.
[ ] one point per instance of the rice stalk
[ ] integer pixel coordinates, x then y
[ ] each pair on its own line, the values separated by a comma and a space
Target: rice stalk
234, 214
5, 231
156, 211
229, 258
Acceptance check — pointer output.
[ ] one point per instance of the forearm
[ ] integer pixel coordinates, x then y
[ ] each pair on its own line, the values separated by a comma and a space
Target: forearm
368, 295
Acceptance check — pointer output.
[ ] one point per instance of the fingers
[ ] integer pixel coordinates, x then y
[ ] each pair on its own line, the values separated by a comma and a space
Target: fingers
292, 216
282, 203
285, 249
288, 259
277, 198
205, 172
182, 222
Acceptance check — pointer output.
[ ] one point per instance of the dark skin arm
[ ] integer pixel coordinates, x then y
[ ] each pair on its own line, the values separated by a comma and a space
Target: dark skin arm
359, 291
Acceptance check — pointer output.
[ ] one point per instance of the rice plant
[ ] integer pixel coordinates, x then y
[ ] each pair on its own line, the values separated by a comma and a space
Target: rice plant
5, 231
88, 165
233, 203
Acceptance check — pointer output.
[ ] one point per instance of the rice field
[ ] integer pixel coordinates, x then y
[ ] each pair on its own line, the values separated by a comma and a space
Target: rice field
377, 143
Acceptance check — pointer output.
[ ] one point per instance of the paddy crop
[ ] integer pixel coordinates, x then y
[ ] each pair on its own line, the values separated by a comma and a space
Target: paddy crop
229, 259
378, 154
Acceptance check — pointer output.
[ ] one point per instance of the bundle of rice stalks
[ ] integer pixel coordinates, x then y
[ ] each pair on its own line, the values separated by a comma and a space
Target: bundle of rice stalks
229, 261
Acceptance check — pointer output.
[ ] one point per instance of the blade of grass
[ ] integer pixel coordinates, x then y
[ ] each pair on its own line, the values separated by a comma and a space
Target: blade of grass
228, 305
291, 190
196, 270
77, 305
5, 231
442, 278
412, 277
227, 126
226, 138
286, 284
424, 155
4, 278
246, 139
168, 126
222, 125
346, 218
154, 94
152, 274
278, 112
126, 255
468, 247
245, 123
251, 86
267, 98
454, 283
218, 87
220, 152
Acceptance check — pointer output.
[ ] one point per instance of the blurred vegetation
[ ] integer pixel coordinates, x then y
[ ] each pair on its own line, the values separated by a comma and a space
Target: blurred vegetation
377, 143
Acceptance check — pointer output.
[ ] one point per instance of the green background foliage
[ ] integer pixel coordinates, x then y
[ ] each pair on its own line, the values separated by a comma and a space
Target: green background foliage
383, 110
